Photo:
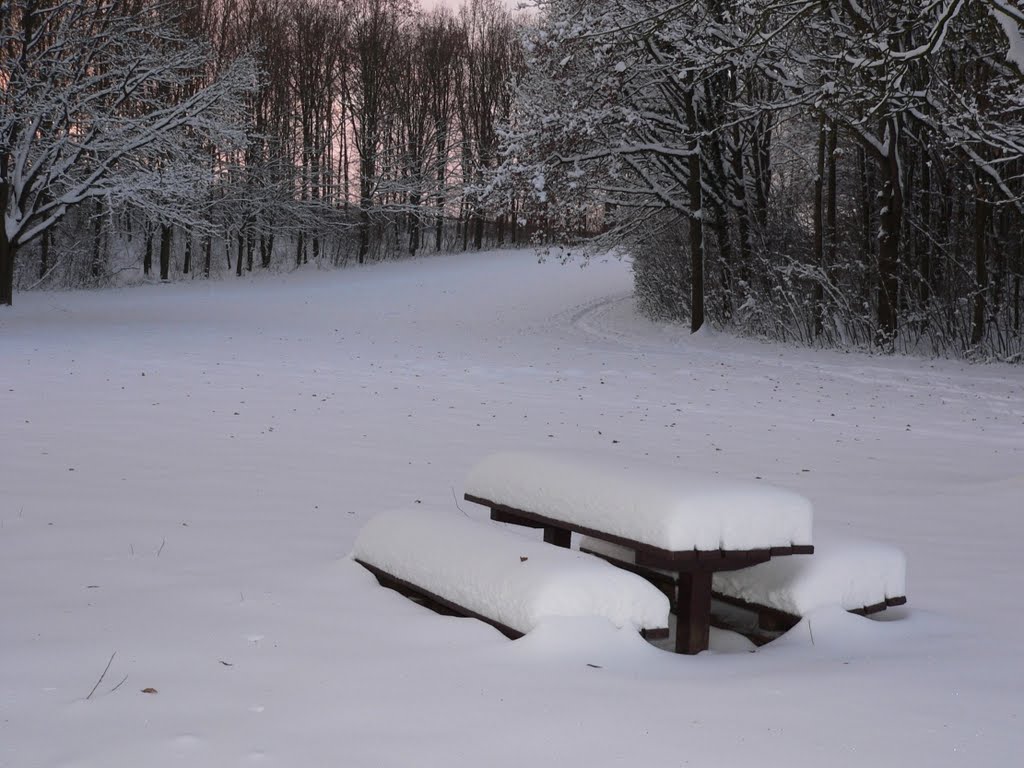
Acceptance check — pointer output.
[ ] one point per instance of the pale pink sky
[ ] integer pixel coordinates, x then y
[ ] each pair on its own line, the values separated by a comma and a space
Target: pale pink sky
457, 3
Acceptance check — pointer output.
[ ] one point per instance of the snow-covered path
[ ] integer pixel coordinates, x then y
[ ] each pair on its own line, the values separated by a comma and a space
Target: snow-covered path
183, 469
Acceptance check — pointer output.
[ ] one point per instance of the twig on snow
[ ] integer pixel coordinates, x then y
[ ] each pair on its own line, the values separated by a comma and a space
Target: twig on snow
118, 685
111, 661
456, 500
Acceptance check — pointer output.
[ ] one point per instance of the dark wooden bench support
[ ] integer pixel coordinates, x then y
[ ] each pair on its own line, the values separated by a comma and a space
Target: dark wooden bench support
693, 612
557, 536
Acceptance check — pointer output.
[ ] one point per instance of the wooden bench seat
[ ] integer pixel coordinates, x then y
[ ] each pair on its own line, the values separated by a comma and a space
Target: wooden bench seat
509, 581
860, 576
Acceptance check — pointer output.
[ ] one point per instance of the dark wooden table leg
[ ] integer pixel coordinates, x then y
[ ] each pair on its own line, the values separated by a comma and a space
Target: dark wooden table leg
693, 612
557, 536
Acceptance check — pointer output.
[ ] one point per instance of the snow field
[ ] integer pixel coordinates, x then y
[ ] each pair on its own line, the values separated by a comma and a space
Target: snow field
213, 500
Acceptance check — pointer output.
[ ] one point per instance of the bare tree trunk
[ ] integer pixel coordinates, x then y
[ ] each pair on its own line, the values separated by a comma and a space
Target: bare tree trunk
240, 254
7, 254
96, 264
268, 257
890, 221
208, 256
696, 250
364, 235
1015, 226
7, 247
819, 231
515, 222
998, 278
1016, 303
761, 153
147, 258
831, 212
867, 194
166, 233
414, 220
478, 236
186, 266
924, 256
44, 253
981, 215
442, 144
695, 192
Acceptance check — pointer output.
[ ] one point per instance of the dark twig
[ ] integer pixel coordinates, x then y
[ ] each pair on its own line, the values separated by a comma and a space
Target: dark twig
118, 685
101, 676
456, 500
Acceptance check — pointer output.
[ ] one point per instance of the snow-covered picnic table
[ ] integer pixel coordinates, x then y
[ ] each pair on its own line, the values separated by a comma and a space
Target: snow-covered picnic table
692, 526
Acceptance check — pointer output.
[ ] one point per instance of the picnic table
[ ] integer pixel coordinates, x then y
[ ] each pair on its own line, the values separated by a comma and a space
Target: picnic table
691, 526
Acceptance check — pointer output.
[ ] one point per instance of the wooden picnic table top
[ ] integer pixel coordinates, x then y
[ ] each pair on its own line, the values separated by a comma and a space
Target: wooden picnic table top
667, 513
646, 554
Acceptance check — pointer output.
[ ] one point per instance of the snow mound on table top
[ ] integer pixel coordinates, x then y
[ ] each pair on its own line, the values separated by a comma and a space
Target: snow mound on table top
665, 508
504, 576
849, 572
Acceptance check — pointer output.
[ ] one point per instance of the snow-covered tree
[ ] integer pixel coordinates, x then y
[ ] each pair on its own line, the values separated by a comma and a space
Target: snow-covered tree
809, 168
631, 106
104, 99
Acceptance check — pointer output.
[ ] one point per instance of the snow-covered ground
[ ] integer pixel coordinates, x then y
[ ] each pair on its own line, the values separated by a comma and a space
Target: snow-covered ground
184, 468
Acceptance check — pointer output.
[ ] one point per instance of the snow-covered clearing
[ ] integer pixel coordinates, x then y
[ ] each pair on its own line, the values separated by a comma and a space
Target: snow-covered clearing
185, 468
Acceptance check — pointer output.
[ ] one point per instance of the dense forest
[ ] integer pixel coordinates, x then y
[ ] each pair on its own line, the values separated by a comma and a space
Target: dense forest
840, 172
843, 173
194, 137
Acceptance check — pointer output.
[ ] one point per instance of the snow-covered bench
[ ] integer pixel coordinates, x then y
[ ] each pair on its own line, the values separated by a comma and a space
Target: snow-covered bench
509, 581
860, 576
693, 526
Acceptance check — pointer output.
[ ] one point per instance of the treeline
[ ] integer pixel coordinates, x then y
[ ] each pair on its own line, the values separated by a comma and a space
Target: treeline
198, 136
840, 172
